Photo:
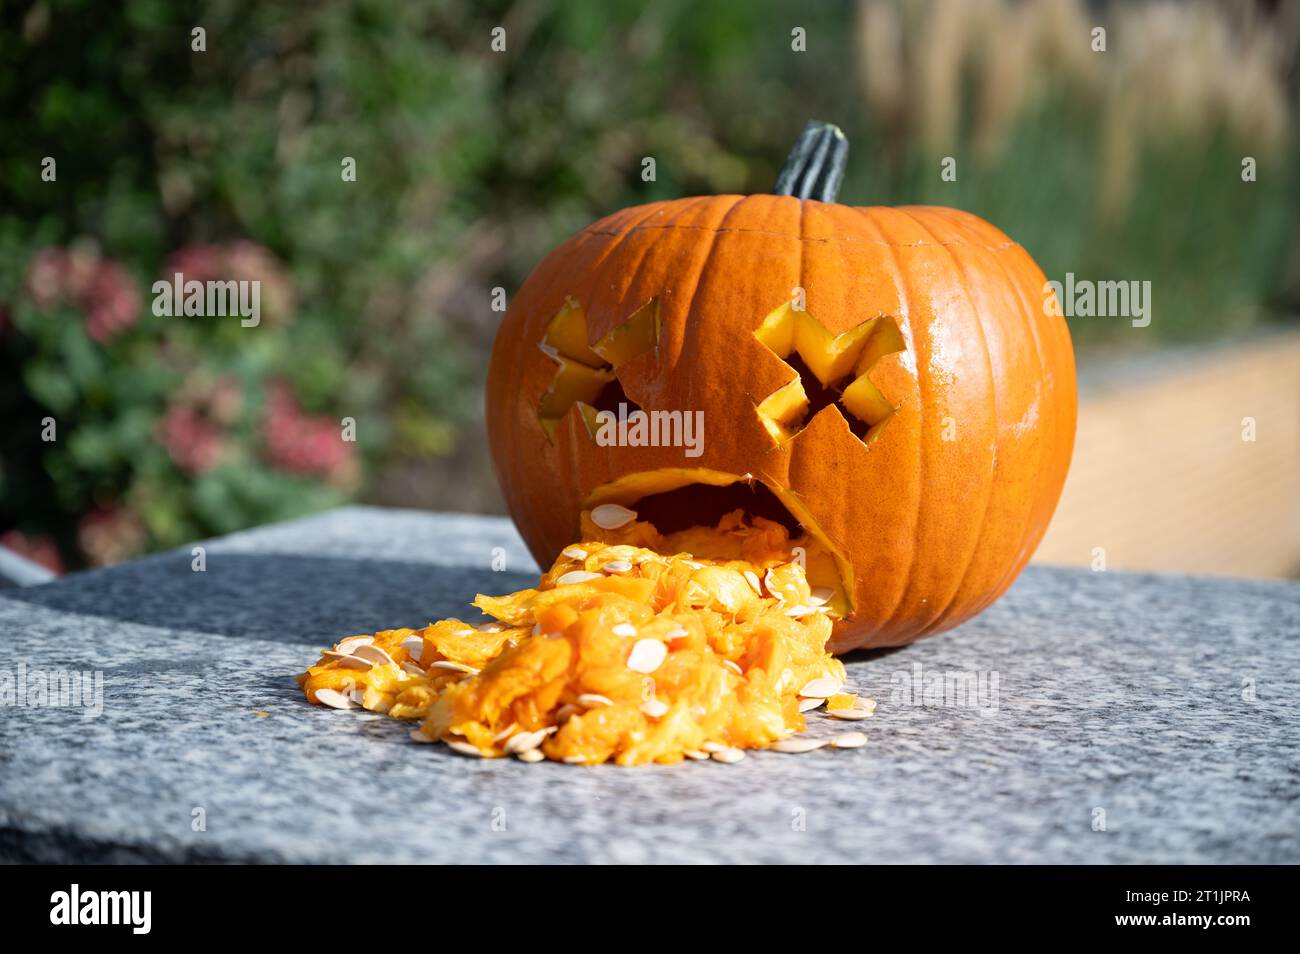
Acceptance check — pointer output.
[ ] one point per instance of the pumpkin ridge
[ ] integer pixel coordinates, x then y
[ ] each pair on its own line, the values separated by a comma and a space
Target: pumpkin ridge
641, 225
1029, 538
810, 241
598, 269
982, 523
619, 236
708, 255
1026, 531
905, 306
1044, 475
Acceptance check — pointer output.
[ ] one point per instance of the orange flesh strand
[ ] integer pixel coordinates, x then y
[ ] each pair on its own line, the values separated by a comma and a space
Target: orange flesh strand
619, 654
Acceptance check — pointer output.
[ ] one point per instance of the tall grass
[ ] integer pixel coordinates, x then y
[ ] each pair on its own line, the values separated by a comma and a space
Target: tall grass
1122, 164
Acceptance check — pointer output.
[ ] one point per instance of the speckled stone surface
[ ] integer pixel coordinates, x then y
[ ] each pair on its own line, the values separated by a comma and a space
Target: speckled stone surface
1136, 719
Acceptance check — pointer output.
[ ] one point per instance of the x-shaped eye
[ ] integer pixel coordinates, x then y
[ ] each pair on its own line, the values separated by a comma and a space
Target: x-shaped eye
587, 373
828, 369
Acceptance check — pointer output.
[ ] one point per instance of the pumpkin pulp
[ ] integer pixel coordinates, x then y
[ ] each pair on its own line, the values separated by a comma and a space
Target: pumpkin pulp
718, 515
621, 653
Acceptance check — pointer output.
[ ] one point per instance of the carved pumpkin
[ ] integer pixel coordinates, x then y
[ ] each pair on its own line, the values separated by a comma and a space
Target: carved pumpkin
884, 382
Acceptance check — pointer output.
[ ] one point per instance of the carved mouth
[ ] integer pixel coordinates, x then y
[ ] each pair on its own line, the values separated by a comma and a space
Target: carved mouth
680, 502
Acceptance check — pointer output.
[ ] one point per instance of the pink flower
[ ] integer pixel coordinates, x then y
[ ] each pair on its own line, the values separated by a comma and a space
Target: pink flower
194, 443
225, 400
39, 549
199, 263
45, 277
112, 302
242, 260
300, 443
98, 287
110, 535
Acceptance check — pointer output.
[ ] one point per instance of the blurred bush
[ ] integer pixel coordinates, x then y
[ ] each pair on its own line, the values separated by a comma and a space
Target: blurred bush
471, 164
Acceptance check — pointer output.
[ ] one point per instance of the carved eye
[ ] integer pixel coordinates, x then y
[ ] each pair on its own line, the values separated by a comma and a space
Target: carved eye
828, 370
587, 375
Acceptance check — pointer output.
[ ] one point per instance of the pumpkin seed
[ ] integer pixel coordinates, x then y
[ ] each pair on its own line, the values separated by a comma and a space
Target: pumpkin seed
334, 699
800, 610
355, 662
647, 655
594, 700
454, 666
853, 714
733, 667
412, 668
506, 733
612, 516
807, 705
712, 746
574, 553
822, 688
752, 578
695, 755
678, 632
624, 629
417, 735
414, 646
849, 740
574, 759
531, 755
566, 711
349, 643
728, 756
617, 566
525, 741
799, 745
376, 655
576, 576
464, 748
655, 708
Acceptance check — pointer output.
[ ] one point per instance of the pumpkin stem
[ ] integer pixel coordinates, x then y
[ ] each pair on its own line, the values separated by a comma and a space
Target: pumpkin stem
815, 167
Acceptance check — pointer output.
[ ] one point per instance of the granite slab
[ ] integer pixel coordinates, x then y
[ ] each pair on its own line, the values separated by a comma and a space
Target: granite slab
1111, 717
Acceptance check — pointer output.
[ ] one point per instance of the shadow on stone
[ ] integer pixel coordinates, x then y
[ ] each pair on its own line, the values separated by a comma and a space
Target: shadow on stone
281, 597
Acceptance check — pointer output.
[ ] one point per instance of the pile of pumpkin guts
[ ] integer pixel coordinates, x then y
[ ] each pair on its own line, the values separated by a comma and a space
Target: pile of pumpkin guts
620, 654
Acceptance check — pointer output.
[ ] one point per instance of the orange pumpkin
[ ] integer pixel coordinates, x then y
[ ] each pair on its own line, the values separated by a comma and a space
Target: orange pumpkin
884, 382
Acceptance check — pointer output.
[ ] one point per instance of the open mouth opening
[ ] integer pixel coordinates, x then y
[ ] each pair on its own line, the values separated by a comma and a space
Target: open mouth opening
691, 510
703, 505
